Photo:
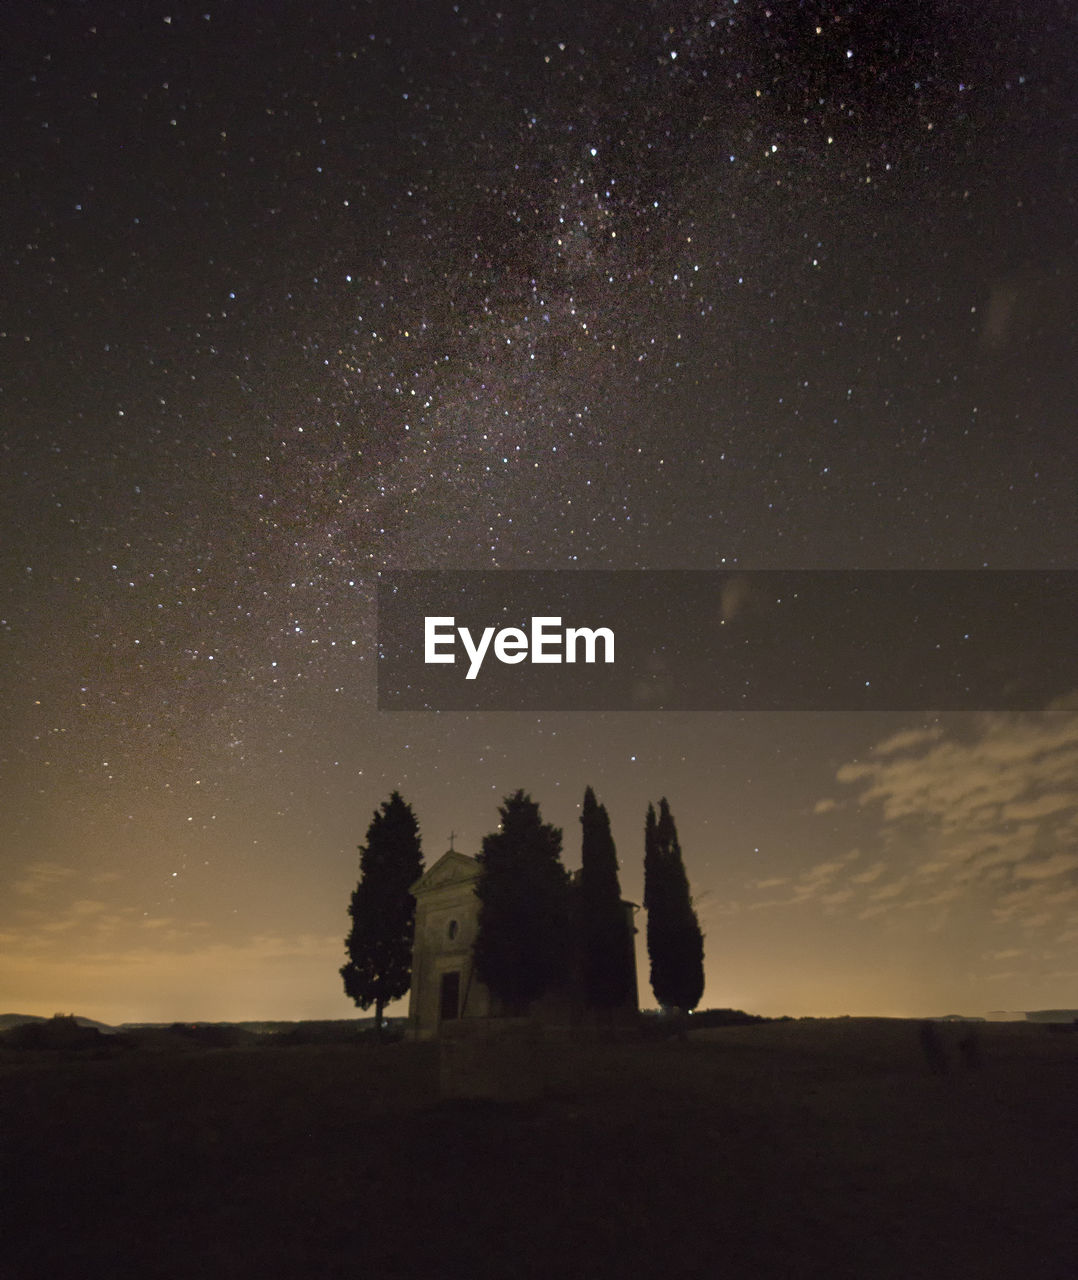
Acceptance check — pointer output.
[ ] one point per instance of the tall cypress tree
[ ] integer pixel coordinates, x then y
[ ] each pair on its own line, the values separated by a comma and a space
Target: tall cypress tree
675, 943
522, 946
606, 937
379, 944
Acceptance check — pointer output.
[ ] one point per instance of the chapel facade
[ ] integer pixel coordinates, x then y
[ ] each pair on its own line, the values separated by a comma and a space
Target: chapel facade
444, 986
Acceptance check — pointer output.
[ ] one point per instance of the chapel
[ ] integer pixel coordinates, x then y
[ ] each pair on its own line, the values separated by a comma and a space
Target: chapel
444, 986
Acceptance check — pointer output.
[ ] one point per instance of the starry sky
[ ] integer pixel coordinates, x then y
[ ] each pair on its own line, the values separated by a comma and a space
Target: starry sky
297, 294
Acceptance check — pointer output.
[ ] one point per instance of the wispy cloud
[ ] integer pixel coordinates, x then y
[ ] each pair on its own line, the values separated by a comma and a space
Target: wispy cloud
1047, 868
815, 884
823, 871
888, 891
51, 902
837, 898
996, 802
238, 979
37, 877
905, 739
70, 947
983, 811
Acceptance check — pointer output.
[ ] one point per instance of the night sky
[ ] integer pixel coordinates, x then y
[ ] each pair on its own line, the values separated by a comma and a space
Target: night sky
299, 293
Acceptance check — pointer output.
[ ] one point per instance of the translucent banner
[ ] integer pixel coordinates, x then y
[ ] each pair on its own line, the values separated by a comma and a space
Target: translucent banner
685, 640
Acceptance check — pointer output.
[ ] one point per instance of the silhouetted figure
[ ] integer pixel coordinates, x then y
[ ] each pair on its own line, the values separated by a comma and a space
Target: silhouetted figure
969, 1049
932, 1044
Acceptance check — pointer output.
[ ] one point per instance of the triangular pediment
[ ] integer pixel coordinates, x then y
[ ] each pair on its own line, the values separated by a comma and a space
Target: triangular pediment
451, 868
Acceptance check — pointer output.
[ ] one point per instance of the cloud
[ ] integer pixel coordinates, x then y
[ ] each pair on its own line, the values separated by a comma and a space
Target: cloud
905, 739
71, 917
1011, 760
1039, 808
39, 876
249, 978
877, 909
837, 898
734, 596
893, 890
937, 899
1048, 869
84, 907
1033, 902
823, 871
976, 828
809, 886
52, 901
997, 806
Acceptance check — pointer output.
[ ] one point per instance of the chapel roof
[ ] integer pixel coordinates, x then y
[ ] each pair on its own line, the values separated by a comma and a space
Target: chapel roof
452, 867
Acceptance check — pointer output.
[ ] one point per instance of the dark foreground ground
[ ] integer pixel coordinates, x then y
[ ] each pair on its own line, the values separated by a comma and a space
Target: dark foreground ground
806, 1149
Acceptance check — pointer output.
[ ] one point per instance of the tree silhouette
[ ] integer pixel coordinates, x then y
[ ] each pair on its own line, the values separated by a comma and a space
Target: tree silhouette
379, 944
675, 943
605, 934
522, 945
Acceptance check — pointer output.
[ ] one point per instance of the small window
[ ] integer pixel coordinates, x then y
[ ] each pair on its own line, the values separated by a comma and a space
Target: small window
452, 930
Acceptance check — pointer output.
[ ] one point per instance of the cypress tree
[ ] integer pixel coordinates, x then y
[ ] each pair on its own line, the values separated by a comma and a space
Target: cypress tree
675, 943
379, 944
522, 945
606, 937
652, 894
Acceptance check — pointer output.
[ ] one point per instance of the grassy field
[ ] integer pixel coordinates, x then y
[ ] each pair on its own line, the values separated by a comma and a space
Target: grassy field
798, 1149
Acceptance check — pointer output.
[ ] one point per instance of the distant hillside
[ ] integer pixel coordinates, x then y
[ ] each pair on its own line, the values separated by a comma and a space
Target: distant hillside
68, 1032
274, 1027
9, 1020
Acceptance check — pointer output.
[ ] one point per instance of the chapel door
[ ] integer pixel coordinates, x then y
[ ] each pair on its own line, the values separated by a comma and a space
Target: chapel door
449, 1005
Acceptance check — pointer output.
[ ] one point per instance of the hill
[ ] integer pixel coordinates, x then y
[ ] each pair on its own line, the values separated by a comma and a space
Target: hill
10, 1020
